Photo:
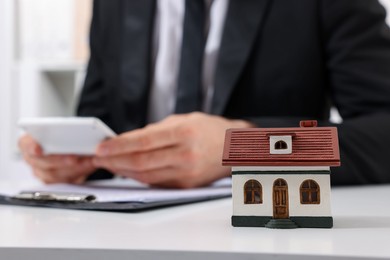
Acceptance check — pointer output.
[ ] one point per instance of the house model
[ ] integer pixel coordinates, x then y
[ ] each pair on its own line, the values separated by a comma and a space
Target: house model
281, 176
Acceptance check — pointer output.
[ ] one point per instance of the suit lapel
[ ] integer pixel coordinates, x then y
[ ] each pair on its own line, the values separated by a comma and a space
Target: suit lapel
243, 22
137, 30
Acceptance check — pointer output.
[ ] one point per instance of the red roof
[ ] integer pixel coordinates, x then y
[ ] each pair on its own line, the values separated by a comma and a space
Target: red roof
311, 146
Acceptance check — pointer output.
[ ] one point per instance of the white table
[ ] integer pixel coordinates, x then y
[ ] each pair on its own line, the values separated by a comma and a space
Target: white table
197, 231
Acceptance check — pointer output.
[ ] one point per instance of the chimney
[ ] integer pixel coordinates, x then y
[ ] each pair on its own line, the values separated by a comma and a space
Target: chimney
308, 123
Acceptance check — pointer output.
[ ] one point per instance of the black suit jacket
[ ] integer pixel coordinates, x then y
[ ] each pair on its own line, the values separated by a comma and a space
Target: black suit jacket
280, 61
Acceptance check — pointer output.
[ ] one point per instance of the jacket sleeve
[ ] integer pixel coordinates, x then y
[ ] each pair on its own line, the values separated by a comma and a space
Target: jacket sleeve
358, 62
93, 94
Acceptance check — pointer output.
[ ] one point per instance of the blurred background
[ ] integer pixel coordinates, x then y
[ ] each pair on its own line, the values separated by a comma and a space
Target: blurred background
44, 51
43, 54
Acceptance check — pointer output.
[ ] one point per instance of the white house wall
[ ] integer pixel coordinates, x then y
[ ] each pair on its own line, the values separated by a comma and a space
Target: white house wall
294, 182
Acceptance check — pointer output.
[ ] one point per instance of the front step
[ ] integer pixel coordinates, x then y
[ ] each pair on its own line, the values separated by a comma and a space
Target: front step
285, 223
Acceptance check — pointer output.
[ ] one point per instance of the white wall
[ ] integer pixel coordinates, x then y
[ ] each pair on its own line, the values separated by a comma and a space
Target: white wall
294, 181
10, 166
3, 78
7, 30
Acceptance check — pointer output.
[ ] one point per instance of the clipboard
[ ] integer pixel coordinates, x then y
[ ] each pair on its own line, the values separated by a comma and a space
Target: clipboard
51, 196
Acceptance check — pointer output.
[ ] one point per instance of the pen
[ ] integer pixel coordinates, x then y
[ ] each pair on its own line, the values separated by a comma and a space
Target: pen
55, 196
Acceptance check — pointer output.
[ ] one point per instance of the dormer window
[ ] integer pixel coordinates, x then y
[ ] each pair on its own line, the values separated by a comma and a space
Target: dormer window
280, 144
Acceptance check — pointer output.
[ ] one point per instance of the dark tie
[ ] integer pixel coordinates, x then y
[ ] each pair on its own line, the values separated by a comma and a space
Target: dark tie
189, 88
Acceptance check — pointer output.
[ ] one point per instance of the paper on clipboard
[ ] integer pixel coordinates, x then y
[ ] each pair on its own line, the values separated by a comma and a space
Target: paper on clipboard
126, 190
115, 191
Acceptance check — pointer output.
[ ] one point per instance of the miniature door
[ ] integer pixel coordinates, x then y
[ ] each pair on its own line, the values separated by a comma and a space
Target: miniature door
280, 199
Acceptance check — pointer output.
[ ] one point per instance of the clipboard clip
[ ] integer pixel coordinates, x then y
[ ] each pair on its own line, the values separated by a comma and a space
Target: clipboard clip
54, 196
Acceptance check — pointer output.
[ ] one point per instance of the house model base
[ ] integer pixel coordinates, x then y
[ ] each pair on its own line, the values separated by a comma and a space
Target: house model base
281, 176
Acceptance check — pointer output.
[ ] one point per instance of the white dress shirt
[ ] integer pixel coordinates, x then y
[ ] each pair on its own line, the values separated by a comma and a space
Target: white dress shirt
166, 55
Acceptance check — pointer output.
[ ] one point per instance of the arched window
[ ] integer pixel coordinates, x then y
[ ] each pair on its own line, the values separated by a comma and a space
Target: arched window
253, 192
280, 145
310, 192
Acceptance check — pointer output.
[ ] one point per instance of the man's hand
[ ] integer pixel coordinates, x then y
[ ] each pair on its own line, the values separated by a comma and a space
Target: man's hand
55, 168
181, 151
